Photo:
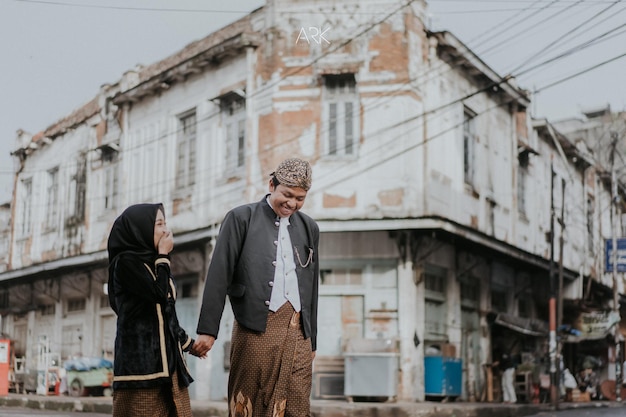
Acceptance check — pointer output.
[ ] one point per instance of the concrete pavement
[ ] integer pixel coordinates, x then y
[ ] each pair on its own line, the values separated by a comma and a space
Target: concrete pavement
319, 408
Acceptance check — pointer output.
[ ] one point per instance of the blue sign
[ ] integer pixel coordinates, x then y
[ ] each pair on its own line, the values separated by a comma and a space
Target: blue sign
621, 255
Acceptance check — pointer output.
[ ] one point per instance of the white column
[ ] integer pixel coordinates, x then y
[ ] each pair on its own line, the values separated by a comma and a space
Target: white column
411, 383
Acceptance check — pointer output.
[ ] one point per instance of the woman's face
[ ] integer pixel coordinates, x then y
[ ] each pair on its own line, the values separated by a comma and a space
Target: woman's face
160, 228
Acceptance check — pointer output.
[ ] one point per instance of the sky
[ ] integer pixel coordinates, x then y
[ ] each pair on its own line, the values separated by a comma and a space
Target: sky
57, 53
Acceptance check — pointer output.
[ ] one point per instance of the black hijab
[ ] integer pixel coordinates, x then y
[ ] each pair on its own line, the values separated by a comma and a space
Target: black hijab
133, 233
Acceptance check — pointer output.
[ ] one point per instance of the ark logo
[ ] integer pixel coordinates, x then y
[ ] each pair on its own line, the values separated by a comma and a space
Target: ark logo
312, 34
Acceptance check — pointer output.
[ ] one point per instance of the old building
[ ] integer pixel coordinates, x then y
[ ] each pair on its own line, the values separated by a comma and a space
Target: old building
431, 187
601, 302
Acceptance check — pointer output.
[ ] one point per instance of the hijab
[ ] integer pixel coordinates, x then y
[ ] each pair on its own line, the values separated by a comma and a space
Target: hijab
133, 233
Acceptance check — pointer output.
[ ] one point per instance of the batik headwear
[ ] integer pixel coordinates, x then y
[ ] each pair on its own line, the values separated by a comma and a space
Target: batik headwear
294, 172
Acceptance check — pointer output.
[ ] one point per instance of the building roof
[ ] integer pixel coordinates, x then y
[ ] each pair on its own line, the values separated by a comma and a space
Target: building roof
193, 58
452, 50
161, 74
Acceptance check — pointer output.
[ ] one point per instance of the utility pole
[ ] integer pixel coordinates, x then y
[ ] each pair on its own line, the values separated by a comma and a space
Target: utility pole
560, 287
554, 392
614, 254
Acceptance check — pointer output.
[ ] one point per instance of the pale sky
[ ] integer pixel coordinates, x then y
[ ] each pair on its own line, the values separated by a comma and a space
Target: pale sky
57, 54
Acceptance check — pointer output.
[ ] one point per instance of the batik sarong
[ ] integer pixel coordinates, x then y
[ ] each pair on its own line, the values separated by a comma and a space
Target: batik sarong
271, 372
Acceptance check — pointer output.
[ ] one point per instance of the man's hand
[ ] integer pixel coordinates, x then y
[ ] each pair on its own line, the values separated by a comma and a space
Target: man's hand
203, 344
193, 350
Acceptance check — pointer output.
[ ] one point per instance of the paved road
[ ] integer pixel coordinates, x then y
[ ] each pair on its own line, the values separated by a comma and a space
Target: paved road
585, 412
27, 412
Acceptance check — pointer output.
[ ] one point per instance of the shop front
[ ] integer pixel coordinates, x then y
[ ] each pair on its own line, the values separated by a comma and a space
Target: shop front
525, 340
588, 351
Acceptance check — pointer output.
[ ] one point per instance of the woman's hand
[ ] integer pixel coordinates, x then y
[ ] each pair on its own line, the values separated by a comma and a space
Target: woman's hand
166, 243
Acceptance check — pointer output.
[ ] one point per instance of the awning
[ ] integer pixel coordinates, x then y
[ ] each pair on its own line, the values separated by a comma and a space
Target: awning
571, 338
531, 327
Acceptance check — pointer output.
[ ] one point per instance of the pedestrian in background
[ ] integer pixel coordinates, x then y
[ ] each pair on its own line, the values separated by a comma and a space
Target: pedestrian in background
507, 366
150, 373
266, 260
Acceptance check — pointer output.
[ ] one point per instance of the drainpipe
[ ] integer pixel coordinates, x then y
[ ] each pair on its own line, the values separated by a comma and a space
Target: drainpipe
251, 147
559, 312
614, 255
22, 159
554, 389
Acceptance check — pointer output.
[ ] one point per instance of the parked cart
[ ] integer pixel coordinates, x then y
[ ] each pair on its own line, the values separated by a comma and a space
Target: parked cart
89, 376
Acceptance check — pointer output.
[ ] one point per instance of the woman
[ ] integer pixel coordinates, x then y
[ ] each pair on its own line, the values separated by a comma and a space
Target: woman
150, 373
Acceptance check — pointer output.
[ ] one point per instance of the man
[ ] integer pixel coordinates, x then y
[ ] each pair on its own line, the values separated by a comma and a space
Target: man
266, 261
507, 366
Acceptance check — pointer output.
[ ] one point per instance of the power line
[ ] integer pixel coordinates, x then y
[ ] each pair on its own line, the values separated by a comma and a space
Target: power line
143, 9
517, 1
600, 38
142, 144
505, 23
291, 12
524, 31
168, 133
586, 70
576, 28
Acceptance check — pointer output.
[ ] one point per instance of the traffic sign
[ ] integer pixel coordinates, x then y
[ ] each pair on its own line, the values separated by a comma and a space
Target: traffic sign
621, 255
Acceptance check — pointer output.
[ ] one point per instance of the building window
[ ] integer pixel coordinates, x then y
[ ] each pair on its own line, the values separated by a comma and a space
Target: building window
435, 281
590, 234
342, 277
110, 187
52, 199
76, 203
341, 109
499, 301
26, 197
522, 181
4, 298
109, 156
470, 292
524, 306
469, 144
233, 108
186, 151
75, 305
187, 286
435, 314
48, 310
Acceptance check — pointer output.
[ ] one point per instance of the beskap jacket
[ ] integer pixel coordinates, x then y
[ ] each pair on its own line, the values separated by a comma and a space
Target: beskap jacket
149, 342
242, 268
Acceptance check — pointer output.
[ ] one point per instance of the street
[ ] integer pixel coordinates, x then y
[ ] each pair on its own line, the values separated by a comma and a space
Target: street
23, 412
584, 412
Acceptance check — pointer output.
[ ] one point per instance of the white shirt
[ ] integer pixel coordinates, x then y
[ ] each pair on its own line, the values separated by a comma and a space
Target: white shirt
285, 284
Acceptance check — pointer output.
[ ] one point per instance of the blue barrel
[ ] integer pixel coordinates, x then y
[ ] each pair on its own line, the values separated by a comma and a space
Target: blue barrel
442, 376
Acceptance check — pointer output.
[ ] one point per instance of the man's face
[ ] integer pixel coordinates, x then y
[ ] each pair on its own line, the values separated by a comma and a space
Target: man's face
286, 200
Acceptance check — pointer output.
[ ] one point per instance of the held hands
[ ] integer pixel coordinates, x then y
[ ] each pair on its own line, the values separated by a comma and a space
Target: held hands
193, 350
202, 345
